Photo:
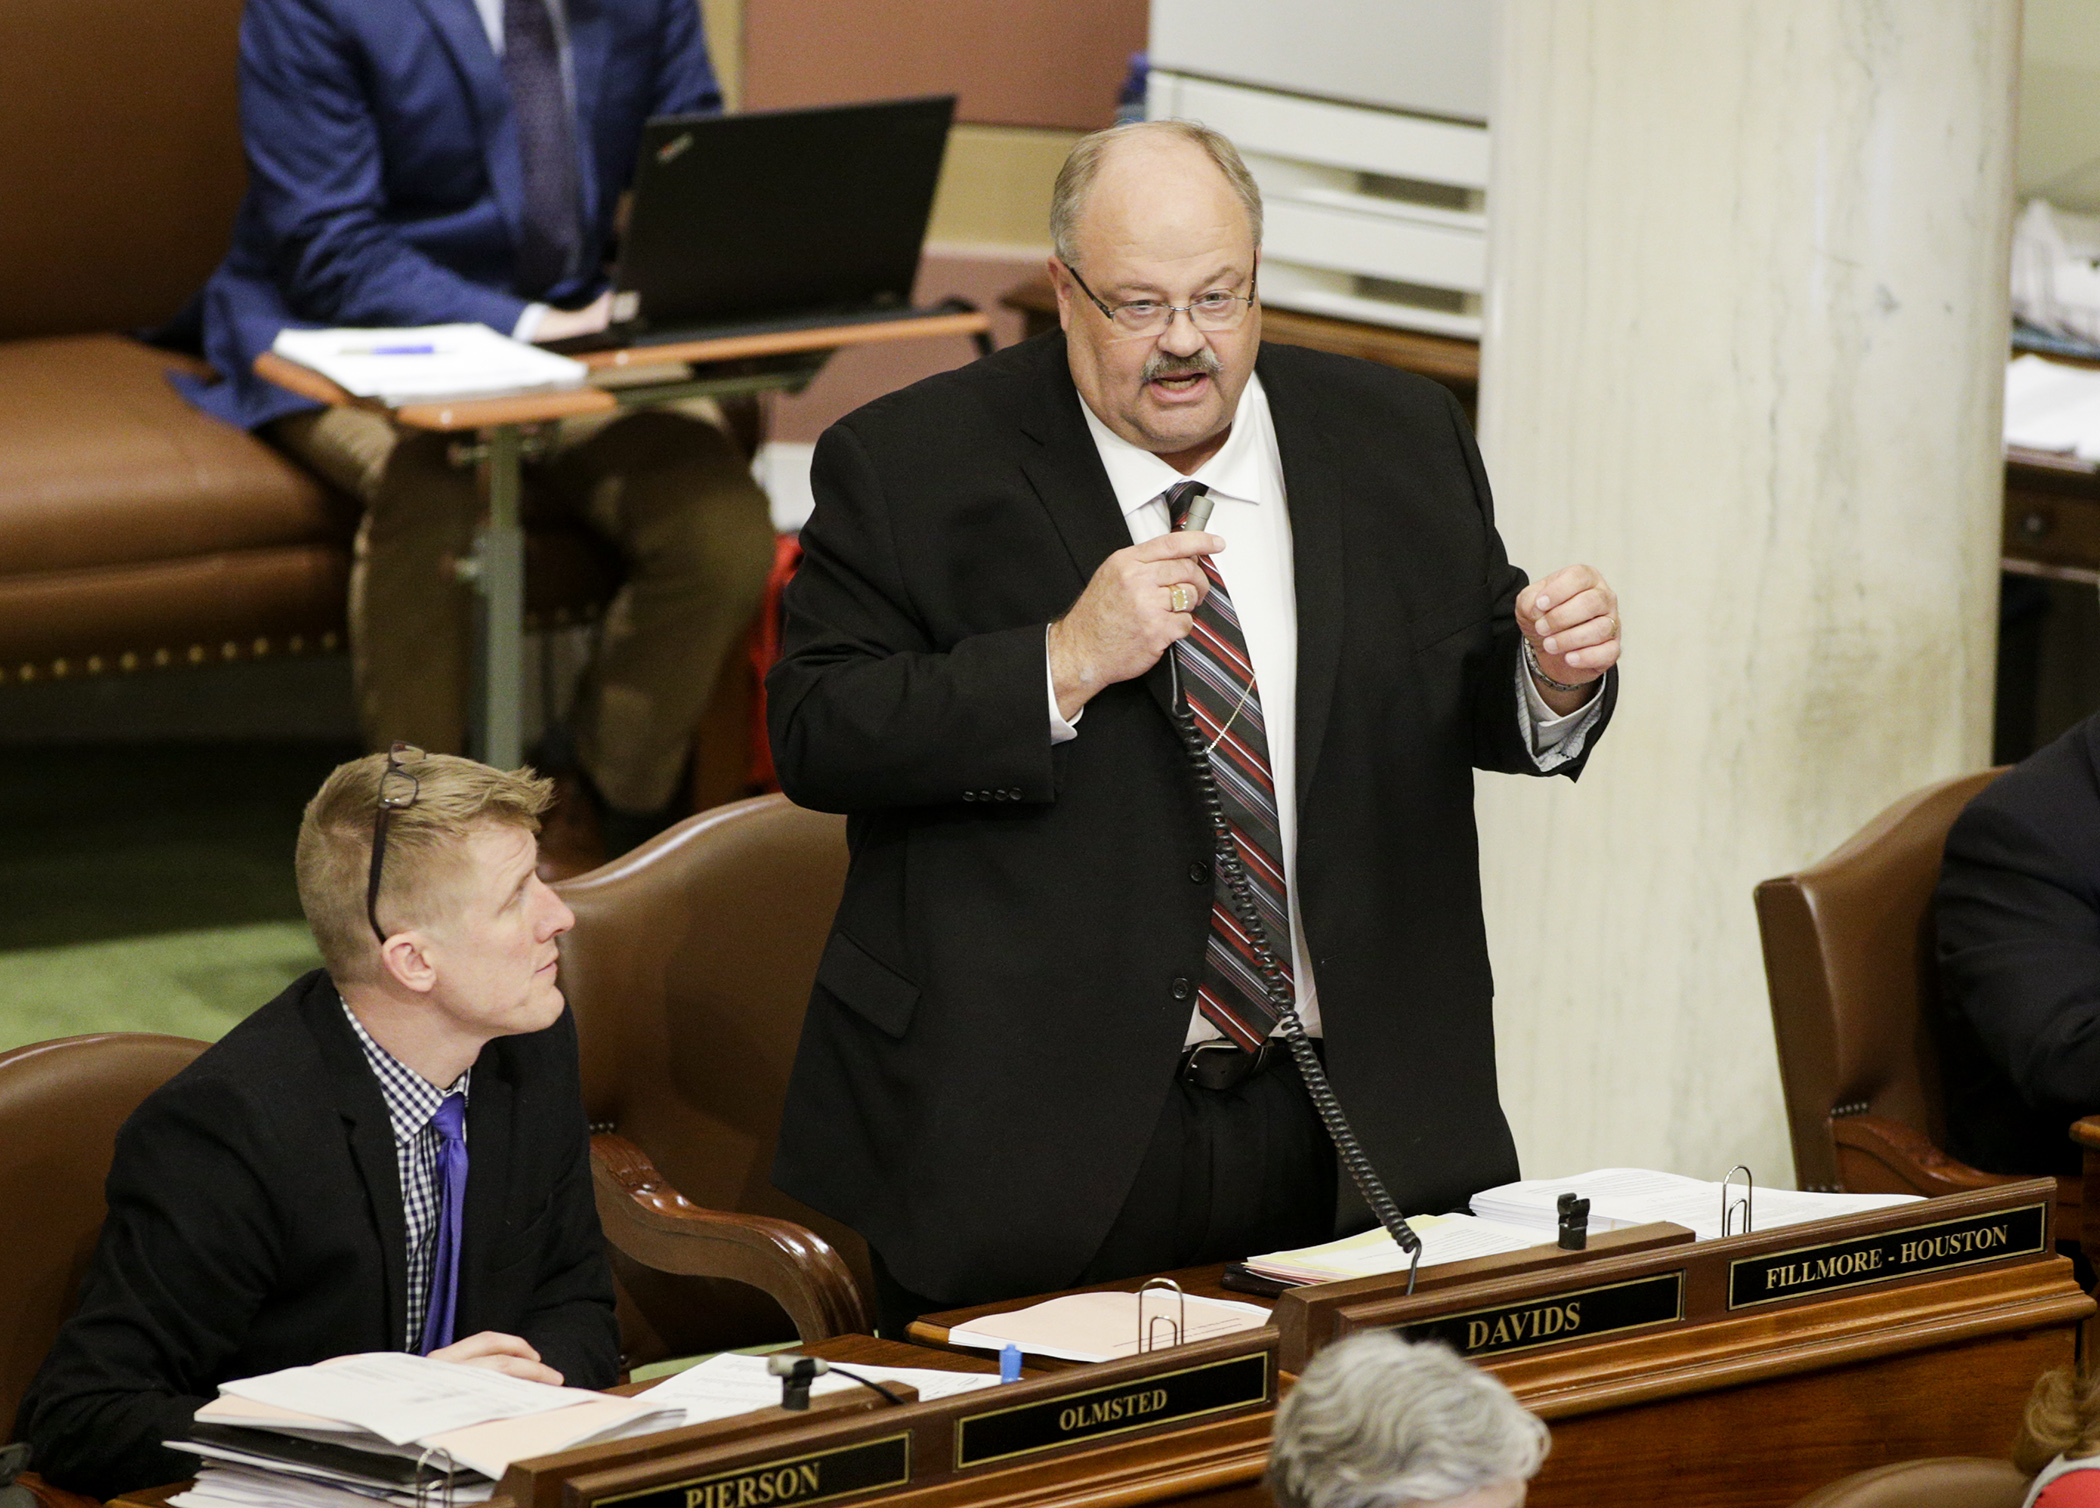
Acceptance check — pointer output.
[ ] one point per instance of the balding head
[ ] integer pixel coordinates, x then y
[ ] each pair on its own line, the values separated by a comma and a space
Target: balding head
1076, 178
1149, 215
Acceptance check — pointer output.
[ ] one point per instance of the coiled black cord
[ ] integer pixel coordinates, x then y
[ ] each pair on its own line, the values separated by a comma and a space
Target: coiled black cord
1240, 894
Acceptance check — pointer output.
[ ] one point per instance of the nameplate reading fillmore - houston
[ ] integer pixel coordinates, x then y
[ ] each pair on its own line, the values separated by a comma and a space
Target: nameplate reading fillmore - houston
811, 1477
1549, 1318
1917, 1249
1090, 1414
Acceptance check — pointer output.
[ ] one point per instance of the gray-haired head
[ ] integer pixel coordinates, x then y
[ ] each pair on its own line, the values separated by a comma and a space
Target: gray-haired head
1377, 1422
1068, 195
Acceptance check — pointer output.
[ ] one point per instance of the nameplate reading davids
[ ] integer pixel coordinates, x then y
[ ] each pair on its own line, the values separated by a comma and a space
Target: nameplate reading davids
1072, 1418
1548, 1319
814, 1478
1893, 1254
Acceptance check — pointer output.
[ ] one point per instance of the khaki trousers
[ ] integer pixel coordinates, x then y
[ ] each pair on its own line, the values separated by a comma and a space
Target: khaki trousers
670, 490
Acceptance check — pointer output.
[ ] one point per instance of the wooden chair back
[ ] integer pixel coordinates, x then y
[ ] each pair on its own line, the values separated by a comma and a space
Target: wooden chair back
689, 969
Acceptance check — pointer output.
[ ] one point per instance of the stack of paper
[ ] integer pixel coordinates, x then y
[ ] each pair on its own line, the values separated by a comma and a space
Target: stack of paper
1445, 1238
377, 1426
1105, 1326
431, 363
1621, 1197
2052, 407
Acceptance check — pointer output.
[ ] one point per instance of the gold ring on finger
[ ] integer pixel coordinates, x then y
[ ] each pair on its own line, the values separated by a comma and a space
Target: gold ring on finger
1181, 597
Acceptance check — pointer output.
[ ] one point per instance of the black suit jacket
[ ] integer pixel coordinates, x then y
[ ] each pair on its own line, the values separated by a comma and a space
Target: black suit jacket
998, 1011
255, 1222
2018, 910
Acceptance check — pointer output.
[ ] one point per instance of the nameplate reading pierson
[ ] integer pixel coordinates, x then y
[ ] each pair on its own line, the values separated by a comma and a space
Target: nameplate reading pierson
1549, 1319
1893, 1254
1073, 1418
814, 1478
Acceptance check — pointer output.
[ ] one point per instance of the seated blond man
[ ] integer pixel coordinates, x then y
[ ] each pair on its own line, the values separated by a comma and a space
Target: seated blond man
391, 1155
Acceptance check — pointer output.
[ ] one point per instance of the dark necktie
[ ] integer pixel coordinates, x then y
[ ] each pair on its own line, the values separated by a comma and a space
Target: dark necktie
438, 1317
553, 229
1217, 677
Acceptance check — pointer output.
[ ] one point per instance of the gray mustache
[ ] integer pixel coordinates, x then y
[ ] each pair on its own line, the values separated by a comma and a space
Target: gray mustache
1162, 364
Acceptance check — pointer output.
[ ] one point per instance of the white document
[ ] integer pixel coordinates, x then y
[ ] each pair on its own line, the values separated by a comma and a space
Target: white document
227, 1485
430, 363
1104, 1326
400, 1397
1620, 1197
1445, 1238
727, 1385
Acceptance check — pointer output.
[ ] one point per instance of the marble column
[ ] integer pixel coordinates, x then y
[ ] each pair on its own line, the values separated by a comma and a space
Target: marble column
1746, 323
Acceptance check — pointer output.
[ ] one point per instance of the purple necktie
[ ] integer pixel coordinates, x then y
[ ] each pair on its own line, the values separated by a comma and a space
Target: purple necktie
553, 224
451, 1123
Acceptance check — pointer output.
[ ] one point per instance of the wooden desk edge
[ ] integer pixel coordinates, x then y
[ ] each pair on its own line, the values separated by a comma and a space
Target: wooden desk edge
790, 342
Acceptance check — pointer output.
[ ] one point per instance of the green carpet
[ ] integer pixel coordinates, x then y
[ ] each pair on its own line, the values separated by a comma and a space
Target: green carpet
149, 887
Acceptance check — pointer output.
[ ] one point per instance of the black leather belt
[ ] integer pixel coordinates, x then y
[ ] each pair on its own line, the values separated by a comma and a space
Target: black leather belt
1223, 1065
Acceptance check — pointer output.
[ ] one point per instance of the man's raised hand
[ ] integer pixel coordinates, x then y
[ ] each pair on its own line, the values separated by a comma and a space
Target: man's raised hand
1137, 606
1571, 620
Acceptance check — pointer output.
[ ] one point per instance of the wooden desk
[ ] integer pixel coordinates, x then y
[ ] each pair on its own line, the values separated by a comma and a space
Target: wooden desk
628, 378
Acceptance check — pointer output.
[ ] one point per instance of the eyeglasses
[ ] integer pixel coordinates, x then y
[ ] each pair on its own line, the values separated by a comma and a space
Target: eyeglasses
397, 790
1213, 312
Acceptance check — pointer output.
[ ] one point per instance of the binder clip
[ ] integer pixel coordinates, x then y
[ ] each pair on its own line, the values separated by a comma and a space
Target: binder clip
1574, 1223
1729, 1208
1177, 1323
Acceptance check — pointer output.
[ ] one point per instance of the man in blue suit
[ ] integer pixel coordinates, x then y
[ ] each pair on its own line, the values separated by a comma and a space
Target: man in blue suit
417, 162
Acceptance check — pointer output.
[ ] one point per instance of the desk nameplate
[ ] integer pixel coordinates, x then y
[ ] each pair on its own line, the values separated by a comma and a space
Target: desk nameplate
811, 1477
1547, 1319
1085, 1415
1911, 1251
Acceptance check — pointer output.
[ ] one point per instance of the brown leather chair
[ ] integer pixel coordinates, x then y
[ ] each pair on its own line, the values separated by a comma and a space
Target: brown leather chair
1849, 961
689, 970
60, 1106
1940, 1482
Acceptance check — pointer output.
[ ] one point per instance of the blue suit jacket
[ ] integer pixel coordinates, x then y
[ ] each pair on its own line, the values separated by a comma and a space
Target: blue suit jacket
384, 183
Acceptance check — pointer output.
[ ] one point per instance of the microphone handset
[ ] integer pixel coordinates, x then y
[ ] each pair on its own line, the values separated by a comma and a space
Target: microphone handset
796, 1373
1275, 985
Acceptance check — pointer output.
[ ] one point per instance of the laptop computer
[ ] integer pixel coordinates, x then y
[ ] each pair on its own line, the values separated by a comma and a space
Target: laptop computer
775, 220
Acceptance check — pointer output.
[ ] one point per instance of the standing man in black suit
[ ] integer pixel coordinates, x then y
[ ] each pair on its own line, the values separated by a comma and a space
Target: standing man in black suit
1038, 1051
391, 1155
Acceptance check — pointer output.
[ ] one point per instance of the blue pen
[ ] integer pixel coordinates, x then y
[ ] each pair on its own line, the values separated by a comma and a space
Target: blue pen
1010, 1363
404, 350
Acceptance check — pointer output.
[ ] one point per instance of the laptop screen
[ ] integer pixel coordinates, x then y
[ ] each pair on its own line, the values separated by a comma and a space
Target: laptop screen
782, 212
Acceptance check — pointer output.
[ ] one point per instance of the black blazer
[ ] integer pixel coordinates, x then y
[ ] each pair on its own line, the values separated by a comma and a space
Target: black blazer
998, 1011
255, 1223
2018, 911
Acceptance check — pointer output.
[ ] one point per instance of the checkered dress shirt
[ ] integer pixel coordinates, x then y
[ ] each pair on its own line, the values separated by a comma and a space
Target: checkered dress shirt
411, 1101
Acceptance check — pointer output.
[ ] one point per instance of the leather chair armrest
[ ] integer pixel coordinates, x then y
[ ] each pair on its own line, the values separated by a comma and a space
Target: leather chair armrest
44, 1495
650, 1221
1881, 1156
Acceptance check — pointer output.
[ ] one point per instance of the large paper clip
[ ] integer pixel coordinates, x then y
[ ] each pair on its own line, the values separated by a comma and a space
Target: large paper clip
1177, 1323
1728, 1209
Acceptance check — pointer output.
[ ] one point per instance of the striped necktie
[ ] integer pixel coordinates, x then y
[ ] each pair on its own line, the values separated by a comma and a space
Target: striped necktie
1217, 676
552, 238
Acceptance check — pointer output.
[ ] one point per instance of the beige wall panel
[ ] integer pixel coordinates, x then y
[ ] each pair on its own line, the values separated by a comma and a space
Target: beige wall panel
1745, 339
1055, 63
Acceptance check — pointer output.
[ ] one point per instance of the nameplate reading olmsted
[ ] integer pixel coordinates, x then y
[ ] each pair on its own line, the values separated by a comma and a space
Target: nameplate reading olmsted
1893, 1254
1582, 1314
812, 1478
1072, 1418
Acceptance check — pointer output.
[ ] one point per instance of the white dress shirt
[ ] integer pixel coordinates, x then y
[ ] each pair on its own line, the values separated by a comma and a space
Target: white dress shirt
1245, 479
